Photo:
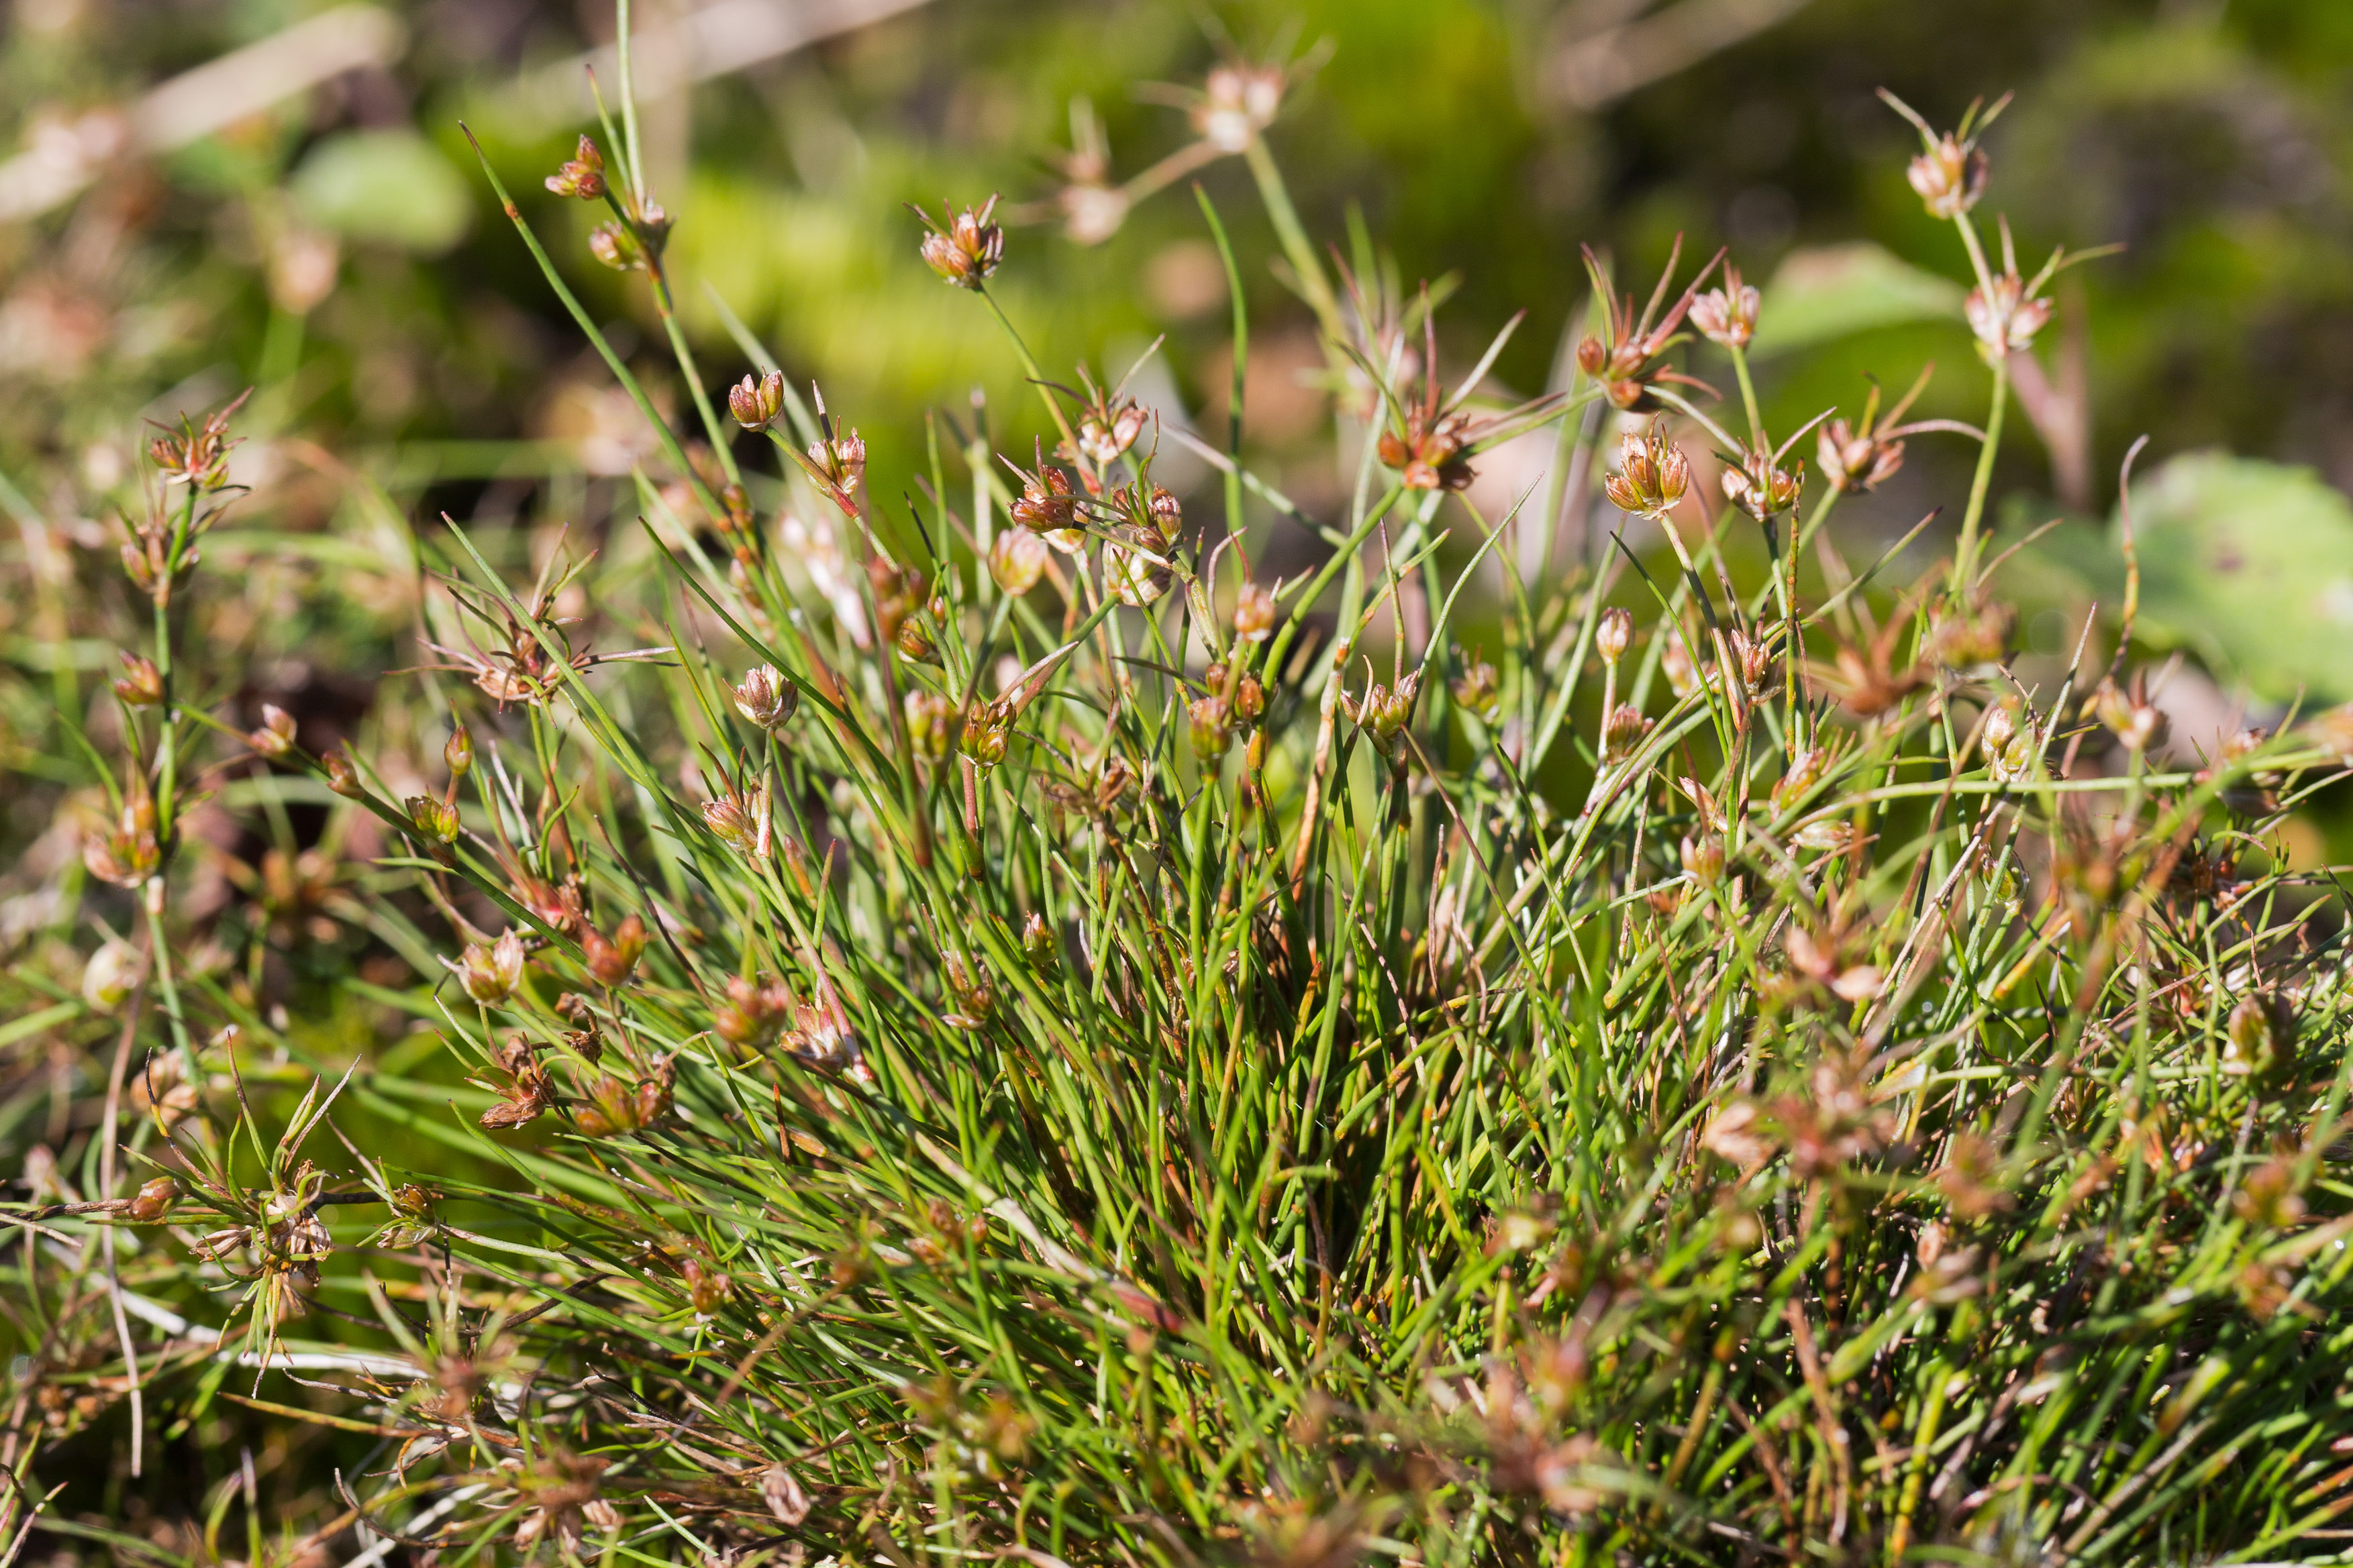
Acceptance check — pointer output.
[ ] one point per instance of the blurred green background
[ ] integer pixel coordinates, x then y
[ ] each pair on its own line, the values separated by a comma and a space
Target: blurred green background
1487, 140
1483, 139
208, 196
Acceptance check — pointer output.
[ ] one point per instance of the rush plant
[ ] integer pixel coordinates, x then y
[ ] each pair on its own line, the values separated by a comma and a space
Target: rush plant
993, 1031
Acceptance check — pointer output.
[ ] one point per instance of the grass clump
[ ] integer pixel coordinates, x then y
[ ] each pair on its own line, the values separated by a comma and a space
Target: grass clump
988, 1030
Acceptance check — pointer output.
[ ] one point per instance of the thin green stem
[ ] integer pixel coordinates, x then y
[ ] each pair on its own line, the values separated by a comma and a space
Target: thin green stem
1749, 397
1029, 365
721, 443
1296, 247
1242, 360
167, 989
1965, 554
587, 324
1684, 407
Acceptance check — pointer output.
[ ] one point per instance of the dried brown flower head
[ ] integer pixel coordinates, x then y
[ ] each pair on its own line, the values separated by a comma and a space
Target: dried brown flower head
1653, 474
1728, 316
581, 174
967, 248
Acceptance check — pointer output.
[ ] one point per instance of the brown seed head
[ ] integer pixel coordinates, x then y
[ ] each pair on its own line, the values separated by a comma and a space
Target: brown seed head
1106, 432
154, 1200
342, 774
765, 697
1950, 175
1853, 460
1728, 316
2005, 317
755, 404
966, 250
612, 959
1614, 635
581, 175
435, 819
141, 684
1236, 102
1017, 558
1653, 474
1050, 506
275, 738
489, 975
1254, 611
1703, 861
1622, 732
1761, 486
987, 726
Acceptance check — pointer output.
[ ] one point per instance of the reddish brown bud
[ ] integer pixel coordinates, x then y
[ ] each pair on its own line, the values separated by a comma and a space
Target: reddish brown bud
342, 774
967, 248
582, 175
612, 959
154, 1200
755, 404
275, 738
142, 684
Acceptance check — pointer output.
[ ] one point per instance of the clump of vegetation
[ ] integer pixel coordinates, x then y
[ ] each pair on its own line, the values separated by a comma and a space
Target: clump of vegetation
989, 1029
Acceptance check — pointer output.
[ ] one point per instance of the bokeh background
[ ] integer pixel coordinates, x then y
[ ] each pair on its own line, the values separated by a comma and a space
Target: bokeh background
215, 193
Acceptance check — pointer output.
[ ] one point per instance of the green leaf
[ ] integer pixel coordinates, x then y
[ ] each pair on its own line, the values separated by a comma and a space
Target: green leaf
2250, 565
1829, 292
392, 187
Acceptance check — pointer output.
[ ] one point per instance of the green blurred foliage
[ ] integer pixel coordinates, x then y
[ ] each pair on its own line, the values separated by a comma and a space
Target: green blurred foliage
2210, 142
2210, 139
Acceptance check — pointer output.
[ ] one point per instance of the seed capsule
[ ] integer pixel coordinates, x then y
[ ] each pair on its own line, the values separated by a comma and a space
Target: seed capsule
1761, 486
617, 246
1475, 688
489, 975
612, 959
1138, 574
933, 723
1017, 558
142, 684
1622, 731
342, 774
1949, 176
154, 1200
113, 973
1653, 474
1039, 946
986, 727
1211, 722
755, 404
1614, 635
1253, 614
765, 697
582, 175
275, 738
1728, 316
434, 818
966, 250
